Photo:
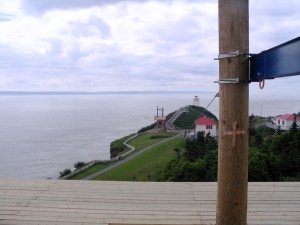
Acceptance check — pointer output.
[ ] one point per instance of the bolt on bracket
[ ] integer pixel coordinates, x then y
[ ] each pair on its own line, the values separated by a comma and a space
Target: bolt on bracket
228, 55
228, 81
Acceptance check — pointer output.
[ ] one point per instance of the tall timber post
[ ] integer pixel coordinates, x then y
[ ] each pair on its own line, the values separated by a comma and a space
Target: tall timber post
234, 104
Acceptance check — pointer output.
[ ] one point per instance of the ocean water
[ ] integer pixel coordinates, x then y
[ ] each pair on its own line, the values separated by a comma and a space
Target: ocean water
41, 135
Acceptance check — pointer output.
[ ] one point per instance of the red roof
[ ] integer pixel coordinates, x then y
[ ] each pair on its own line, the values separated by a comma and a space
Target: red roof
287, 117
205, 121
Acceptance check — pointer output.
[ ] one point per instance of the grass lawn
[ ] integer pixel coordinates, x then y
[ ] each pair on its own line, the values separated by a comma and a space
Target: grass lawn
90, 171
139, 142
117, 145
149, 138
150, 162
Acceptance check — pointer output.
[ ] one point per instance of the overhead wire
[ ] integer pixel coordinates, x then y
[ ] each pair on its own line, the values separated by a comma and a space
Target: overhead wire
201, 113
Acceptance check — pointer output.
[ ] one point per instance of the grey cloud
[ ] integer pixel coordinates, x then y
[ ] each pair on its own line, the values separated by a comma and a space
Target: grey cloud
188, 34
10, 58
75, 53
101, 25
20, 64
56, 47
273, 9
182, 51
41, 6
149, 69
271, 24
91, 27
181, 31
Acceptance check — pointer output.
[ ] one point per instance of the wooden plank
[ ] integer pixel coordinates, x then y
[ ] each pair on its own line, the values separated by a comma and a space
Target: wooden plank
33, 222
172, 197
140, 220
63, 202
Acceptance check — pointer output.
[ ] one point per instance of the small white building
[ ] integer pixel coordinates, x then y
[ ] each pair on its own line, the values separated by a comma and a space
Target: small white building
196, 101
285, 121
206, 125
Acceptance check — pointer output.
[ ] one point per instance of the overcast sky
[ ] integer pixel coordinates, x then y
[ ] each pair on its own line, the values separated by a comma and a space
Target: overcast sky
130, 45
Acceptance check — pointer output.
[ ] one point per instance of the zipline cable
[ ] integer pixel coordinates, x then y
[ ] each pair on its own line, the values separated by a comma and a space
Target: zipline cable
201, 113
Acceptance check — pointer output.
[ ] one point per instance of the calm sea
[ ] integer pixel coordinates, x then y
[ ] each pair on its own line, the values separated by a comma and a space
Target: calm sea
41, 135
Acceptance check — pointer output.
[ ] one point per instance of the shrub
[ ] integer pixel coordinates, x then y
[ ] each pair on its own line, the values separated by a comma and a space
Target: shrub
65, 172
150, 127
79, 164
117, 146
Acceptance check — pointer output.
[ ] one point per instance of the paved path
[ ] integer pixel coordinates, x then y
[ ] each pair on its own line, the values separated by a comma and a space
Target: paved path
120, 162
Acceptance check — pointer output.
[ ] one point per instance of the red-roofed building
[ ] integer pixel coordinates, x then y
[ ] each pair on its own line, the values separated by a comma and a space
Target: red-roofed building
285, 121
206, 125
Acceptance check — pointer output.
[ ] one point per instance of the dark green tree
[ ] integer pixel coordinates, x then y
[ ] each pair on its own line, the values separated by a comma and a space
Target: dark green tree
79, 164
258, 166
65, 172
198, 163
211, 160
294, 127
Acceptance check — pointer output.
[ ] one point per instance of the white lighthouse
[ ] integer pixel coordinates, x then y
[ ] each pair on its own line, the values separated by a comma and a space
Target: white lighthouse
196, 101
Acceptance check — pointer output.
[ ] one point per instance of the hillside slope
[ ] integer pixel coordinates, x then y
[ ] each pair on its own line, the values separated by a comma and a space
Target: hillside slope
186, 119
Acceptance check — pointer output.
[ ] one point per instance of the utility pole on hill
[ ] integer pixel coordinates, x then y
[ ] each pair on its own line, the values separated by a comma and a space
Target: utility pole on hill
234, 103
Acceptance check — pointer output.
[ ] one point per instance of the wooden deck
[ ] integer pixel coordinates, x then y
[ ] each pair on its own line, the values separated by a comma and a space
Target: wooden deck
94, 202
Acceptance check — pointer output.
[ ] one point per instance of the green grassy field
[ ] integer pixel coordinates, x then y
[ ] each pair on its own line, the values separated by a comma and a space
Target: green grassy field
139, 142
90, 171
136, 142
146, 139
118, 147
187, 119
148, 163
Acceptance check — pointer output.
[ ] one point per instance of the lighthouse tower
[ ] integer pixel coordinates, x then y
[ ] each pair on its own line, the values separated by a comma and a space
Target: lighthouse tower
196, 101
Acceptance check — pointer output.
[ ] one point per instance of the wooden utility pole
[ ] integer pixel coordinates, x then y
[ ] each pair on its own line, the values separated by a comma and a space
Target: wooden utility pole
234, 103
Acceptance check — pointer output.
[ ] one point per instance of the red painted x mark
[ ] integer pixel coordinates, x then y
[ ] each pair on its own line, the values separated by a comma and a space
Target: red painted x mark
234, 132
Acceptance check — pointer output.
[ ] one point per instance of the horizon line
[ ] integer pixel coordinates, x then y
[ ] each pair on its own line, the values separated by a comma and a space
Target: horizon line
101, 92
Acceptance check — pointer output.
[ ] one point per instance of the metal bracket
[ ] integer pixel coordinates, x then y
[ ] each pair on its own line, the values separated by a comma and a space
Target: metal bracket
228, 81
277, 62
228, 55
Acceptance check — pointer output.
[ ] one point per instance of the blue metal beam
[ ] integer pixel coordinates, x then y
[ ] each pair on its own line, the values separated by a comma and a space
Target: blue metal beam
280, 61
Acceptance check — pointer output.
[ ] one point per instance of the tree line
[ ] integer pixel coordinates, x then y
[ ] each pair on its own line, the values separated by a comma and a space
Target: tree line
273, 156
